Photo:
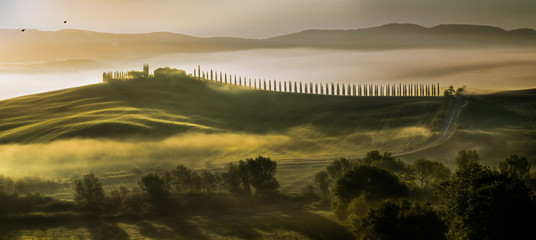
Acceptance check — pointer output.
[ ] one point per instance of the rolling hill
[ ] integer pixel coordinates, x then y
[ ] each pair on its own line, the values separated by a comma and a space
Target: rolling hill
159, 108
158, 123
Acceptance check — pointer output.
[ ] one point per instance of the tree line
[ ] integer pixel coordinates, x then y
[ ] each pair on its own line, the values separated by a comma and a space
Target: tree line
376, 197
157, 194
381, 197
337, 89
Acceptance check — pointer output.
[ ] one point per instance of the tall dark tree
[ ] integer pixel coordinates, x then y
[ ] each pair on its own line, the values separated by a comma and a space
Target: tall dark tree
89, 193
337, 168
480, 203
373, 183
236, 179
180, 179
429, 172
322, 183
262, 174
467, 158
516, 166
400, 221
157, 190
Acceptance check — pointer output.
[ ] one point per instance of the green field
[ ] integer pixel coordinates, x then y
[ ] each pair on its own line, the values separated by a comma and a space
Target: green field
182, 119
124, 129
158, 123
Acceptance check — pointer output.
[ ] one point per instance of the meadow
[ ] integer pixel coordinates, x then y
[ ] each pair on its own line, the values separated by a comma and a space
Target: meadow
124, 129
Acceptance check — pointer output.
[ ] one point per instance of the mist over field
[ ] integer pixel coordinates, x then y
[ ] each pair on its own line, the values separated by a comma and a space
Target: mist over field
479, 69
62, 158
319, 134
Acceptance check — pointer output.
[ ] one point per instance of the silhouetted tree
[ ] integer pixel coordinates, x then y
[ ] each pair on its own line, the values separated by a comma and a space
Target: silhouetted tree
428, 172
236, 180
450, 91
516, 166
404, 221
322, 183
180, 179
207, 180
89, 193
387, 162
480, 203
373, 183
467, 158
337, 168
262, 174
157, 190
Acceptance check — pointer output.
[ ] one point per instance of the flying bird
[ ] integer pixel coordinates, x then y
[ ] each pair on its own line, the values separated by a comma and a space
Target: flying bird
64, 21
23, 30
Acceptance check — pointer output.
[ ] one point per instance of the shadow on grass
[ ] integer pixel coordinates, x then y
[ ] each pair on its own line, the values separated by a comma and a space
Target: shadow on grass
271, 225
11, 226
264, 223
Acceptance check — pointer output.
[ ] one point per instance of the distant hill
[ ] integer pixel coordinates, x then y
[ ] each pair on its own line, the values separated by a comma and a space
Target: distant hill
393, 36
35, 45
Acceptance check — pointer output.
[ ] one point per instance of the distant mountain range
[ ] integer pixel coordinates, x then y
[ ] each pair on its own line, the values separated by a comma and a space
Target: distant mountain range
36, 45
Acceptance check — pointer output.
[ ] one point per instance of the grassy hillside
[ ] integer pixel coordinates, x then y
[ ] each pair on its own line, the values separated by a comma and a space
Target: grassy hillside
159, 108
497, 125
156, 124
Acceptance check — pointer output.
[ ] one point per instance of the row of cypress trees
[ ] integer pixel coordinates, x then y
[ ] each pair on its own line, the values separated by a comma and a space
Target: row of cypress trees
337, 89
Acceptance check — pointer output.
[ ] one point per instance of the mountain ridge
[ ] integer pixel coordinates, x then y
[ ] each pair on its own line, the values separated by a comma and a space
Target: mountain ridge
37, 45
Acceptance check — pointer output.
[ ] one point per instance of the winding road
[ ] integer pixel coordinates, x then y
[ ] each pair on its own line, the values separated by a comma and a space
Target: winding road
448, 128
308, 167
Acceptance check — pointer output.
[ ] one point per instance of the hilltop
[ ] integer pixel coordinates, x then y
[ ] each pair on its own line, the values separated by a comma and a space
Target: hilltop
161, 107
157, 123
301, 124
36, 45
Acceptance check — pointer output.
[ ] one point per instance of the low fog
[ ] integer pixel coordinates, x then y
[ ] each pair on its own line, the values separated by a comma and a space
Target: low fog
480, 69
63, 158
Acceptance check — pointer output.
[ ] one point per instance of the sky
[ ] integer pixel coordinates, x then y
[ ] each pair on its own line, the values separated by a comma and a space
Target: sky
256, 18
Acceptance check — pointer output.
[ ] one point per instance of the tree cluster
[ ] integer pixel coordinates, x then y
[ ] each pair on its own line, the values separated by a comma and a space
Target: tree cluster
476, 202
162, 193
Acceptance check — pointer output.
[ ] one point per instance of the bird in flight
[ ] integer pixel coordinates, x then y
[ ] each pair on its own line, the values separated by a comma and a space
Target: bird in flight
23, 30
64, 21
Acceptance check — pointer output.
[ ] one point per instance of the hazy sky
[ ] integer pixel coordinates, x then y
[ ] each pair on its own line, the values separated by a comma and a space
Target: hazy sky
255, 18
